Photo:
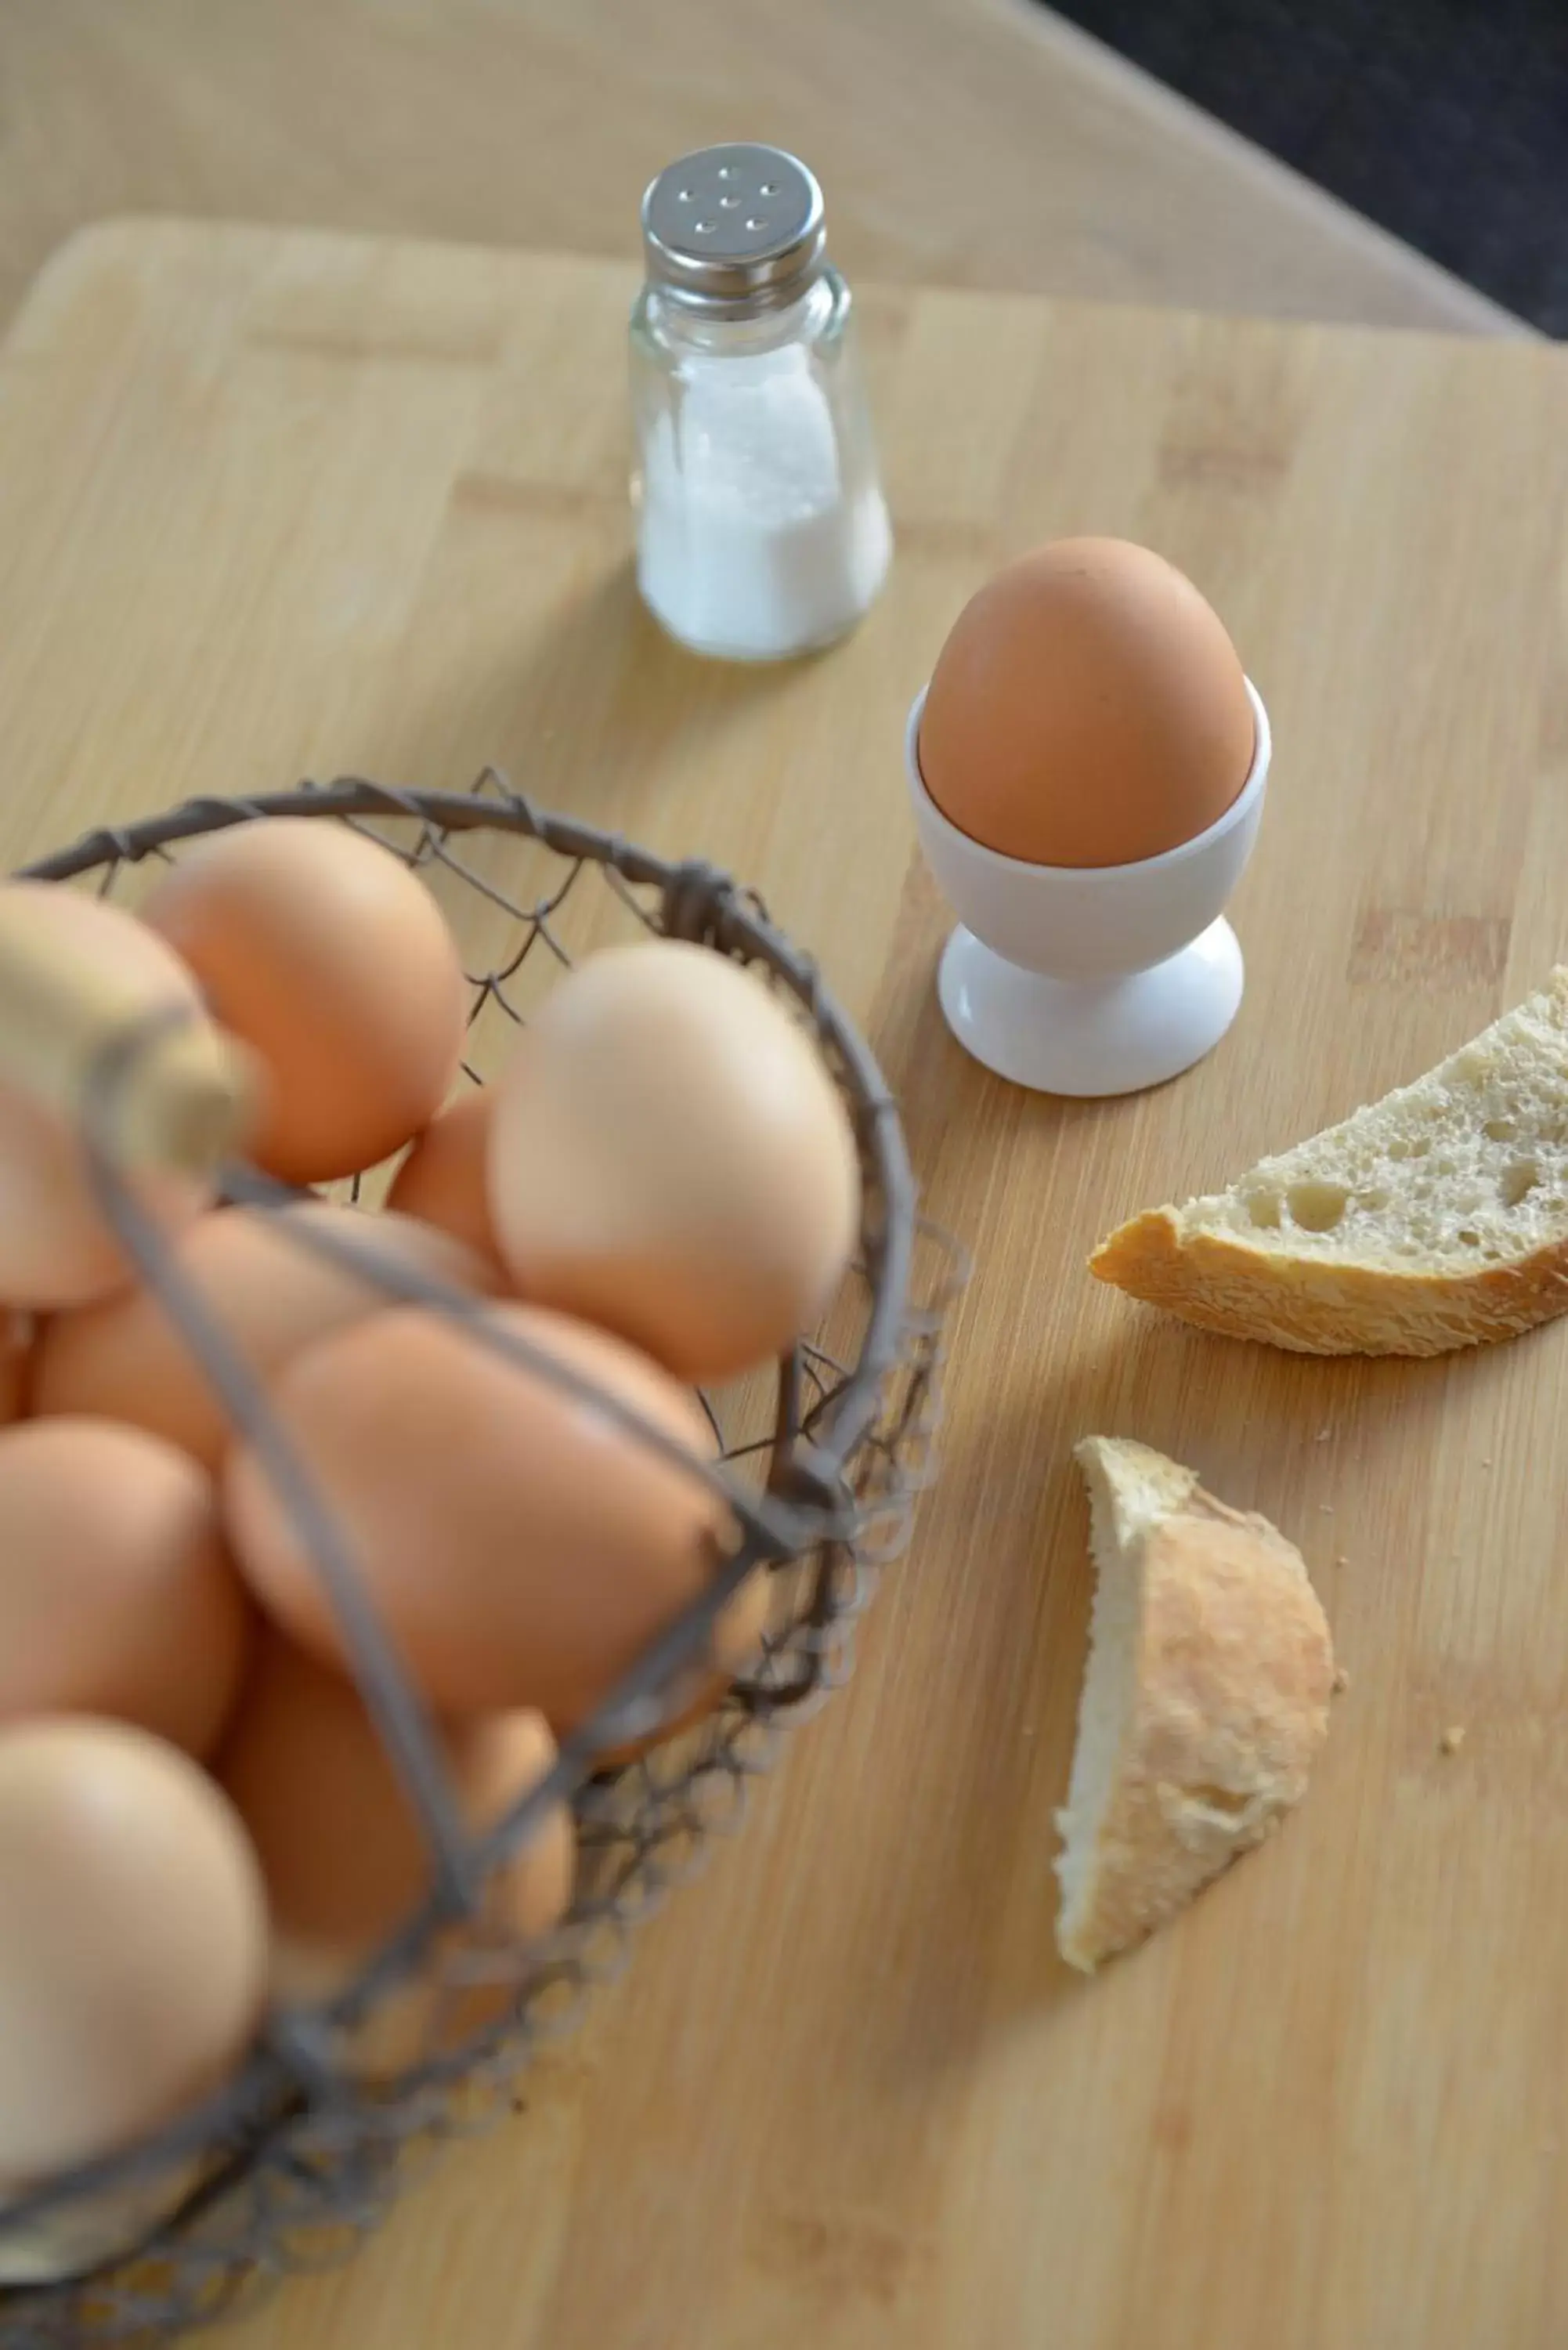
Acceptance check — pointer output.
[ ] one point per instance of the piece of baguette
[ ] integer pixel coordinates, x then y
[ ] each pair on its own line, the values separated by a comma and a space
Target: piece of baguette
1204, 1703
1435, 1217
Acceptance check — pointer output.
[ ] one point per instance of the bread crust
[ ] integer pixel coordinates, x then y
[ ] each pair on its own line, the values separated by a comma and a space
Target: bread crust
1321, 1305
1233, 1677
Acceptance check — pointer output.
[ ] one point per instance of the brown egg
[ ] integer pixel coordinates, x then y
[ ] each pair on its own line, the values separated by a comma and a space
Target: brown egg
737, 1640
271, 1291
441, 1181
670, 1159
55, 1246
321, 950
133, 1961
343, 1855
116, 1595
519, 1548
1087, 709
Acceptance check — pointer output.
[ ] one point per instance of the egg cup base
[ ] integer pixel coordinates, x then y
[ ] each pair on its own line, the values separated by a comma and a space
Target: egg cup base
1096, 1037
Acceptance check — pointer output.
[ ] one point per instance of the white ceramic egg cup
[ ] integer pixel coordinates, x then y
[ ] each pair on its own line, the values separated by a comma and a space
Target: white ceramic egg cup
1091, 980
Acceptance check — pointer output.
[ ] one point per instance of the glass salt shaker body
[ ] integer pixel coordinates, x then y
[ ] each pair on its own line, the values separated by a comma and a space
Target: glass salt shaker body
761, 528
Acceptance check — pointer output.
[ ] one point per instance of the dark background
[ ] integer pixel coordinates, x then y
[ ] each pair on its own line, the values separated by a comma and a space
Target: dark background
1445, 120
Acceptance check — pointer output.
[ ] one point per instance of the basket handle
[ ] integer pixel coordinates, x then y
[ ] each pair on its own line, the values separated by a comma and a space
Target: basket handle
169, 1093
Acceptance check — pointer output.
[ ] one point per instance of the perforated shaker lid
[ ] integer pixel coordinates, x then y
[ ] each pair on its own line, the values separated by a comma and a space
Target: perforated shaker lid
736, 228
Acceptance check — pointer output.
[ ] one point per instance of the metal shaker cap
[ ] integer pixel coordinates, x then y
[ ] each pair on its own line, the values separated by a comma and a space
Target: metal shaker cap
734, 229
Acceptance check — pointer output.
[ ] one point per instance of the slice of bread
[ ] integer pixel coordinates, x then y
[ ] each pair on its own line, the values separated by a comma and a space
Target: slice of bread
1435, 1218
1205, 1700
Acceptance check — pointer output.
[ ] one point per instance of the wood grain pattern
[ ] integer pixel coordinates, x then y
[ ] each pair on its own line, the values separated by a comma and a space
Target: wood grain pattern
277, 503
972, 142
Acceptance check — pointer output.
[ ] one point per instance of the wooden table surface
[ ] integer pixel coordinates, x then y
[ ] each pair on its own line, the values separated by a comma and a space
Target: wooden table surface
974, 142
277, 503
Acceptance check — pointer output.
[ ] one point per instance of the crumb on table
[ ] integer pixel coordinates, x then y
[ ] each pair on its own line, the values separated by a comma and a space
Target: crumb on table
1452, 1739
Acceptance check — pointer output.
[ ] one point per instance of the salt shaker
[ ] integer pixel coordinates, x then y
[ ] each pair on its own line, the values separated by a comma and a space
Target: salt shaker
761, 528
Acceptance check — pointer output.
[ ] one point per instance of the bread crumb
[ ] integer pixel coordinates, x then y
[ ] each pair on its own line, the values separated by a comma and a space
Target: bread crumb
1327, 1508
1452, 1739
1342, 1560
1341, 1680
1487, 1462
1324, 1434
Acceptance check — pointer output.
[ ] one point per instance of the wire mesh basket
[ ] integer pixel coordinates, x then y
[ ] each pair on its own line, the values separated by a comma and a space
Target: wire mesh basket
820, 1460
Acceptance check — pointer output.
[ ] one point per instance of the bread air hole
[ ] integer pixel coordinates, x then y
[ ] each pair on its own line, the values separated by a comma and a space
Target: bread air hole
1316, 1207
1263, 1208
1224, 1801
1500, 1129
1517, 1181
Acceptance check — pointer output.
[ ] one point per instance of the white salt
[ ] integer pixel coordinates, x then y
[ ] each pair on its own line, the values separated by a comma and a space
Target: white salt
748, 547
